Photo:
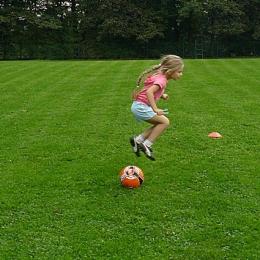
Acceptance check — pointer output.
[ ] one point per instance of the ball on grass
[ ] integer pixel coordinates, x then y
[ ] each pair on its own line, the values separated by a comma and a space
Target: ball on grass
131, 177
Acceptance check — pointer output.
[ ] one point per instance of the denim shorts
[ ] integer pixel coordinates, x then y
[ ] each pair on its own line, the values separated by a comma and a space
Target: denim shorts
141, 111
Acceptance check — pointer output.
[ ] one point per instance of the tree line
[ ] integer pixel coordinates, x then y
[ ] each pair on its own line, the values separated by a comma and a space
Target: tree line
93, 29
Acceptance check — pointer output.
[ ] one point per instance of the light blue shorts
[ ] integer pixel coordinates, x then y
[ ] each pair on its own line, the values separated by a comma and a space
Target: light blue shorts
141, 111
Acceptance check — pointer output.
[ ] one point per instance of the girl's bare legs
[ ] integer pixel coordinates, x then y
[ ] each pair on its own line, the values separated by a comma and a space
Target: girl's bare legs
150, 135
160, 124
147, 132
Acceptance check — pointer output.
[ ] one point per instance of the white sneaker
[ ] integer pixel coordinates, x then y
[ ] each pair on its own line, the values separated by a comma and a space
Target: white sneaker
135, 145
147, 151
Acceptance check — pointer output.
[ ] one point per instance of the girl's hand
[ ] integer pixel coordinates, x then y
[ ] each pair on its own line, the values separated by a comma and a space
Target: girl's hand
165, 96
158, 111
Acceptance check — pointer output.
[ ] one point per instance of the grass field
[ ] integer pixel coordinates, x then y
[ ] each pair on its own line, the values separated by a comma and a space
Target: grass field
65, 128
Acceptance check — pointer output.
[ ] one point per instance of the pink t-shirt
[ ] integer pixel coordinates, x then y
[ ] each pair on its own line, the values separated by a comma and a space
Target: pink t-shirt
155, 79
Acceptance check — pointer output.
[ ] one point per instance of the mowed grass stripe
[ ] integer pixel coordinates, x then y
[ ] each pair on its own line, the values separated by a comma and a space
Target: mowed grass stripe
224, 104
9, 70
220, 97
52, 100
65, 139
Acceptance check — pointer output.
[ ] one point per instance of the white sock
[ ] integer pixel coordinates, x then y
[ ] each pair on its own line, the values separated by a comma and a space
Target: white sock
148, 143
139, 139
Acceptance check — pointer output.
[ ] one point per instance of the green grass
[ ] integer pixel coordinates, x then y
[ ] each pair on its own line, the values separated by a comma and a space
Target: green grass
65, 128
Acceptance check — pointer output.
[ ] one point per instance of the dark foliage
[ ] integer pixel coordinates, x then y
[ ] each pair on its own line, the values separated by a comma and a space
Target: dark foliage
122, 29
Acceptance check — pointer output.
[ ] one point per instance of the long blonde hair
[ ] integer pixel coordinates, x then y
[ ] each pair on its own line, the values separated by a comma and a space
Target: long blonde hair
169, 64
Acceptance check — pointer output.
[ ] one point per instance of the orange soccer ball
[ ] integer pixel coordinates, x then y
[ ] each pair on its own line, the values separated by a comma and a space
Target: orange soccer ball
131, 177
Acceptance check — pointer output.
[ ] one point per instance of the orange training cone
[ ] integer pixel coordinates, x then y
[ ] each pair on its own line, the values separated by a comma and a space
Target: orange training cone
214, 135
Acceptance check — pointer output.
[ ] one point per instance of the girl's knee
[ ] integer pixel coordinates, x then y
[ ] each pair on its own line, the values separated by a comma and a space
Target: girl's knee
166, 122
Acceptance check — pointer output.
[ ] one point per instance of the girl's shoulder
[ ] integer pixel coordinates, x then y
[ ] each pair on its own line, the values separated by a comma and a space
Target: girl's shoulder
156, 77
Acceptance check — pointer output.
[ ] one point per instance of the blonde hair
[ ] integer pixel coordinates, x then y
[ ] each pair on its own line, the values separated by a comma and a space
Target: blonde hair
169, 64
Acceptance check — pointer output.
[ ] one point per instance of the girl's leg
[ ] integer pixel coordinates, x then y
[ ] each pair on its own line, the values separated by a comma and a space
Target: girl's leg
160, 124
147, 132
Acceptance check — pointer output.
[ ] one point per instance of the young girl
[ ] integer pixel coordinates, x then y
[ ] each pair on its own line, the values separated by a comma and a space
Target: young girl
144, 103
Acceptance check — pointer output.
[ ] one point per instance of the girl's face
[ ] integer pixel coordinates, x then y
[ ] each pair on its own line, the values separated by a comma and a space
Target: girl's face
175, 75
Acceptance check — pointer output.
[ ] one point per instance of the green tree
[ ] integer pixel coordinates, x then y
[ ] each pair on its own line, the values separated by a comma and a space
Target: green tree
24, 23
209, 20
106, 28
122, 18
251, 9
